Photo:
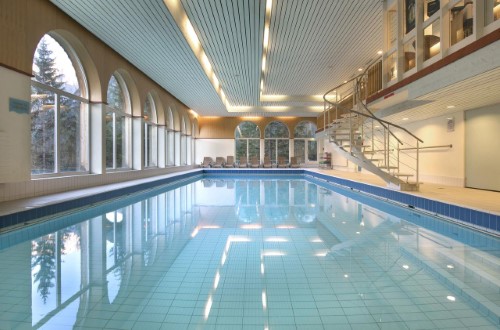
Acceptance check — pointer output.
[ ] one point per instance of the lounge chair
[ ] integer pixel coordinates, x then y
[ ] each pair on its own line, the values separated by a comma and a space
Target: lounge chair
207, 162
230, 162
267, 162
282, 162
254, 162
243, 162
219, 162
294, 162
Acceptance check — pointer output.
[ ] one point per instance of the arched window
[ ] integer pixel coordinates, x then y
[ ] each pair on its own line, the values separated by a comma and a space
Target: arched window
276, 141
59, 110
170, 143
183, 141
247, 140
150, 133
304, 143
118, 124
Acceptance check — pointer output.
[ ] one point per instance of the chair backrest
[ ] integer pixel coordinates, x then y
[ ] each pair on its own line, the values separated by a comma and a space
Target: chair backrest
281, 160
219, 160
293, 160
243, 160
230, 159
207, 160
267, 160
255, 160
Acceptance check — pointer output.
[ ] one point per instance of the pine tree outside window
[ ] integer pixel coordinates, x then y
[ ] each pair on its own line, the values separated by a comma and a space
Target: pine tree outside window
59, 110
247, 140
276, 141
150, 133
170, 143
304, 143
118, 125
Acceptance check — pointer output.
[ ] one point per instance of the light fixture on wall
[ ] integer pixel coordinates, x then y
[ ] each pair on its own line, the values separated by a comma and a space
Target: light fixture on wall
450, 124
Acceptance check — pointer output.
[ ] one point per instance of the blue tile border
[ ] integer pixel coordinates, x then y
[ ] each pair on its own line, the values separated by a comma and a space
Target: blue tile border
21, 217
462, 215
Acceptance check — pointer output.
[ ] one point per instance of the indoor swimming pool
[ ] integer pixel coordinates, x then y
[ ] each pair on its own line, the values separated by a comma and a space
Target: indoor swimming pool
253, 252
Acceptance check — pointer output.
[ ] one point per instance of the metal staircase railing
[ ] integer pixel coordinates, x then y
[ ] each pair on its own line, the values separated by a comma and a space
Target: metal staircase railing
381, 147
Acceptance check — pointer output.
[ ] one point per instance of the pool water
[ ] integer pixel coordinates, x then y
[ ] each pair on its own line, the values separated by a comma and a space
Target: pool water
256, 253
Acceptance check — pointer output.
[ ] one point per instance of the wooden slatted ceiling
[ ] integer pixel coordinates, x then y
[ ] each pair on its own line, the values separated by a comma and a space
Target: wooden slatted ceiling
145, 34
314, 45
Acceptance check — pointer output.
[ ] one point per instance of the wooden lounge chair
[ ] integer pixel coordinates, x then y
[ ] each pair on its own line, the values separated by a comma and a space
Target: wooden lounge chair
294, 162
267, 162
207, 162
254, 162
282, 162
243, 162
229, 162
219, 162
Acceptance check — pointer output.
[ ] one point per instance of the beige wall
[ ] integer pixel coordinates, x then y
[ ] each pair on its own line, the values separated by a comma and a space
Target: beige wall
22, 24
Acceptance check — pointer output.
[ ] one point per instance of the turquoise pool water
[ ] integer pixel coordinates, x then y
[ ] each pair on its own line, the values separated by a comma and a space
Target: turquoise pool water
257, 253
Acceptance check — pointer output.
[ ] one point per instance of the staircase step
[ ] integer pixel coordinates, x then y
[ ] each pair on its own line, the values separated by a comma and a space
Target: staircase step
349, 115
388, 167
402, 174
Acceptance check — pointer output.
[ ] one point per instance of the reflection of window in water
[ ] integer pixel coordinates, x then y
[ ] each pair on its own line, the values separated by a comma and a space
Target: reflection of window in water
55, 269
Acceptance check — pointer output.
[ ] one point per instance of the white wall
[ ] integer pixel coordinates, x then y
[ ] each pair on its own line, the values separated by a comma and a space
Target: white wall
441, 165
482, 151
15, 139
213, 148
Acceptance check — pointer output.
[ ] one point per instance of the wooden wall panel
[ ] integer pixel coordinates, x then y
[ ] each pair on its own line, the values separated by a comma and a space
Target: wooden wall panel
223, 127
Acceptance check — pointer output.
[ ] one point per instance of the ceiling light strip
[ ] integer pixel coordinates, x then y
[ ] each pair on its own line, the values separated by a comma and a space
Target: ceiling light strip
265, 46
179, 14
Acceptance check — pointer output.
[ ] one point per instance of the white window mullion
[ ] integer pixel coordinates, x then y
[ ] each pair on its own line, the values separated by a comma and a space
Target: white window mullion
114, 140
57, 118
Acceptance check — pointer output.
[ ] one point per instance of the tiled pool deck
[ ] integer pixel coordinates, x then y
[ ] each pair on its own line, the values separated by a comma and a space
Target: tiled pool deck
476, 208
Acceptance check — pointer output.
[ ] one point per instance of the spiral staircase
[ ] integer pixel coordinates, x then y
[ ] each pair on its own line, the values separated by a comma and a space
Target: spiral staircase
381, 147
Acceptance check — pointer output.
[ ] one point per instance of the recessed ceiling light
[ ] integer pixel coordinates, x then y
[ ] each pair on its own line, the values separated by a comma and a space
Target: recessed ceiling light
451, 298
450, 266
360, 69
406, 266
450, 107
380, 52
405, 118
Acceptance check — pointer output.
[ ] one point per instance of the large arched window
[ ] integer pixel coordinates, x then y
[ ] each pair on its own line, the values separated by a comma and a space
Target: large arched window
184, 143
304, 143
150, 133
118, 124
276, 141
247, 140
59, 110
170, 143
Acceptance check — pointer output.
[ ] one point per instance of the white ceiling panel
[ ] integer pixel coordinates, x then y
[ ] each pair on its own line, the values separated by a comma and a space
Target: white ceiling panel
146, 35
314, 45
473, 93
